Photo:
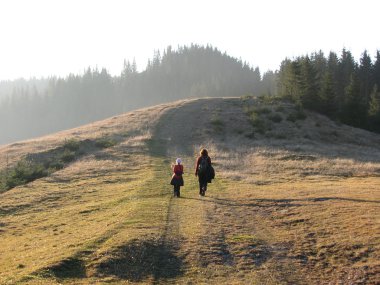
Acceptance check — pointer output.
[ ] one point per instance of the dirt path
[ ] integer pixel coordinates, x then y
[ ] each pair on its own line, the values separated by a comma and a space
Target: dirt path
217, 237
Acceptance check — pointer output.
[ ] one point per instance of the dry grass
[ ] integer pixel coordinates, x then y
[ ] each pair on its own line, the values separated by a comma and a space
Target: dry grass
132, 124
281, 211
261, 165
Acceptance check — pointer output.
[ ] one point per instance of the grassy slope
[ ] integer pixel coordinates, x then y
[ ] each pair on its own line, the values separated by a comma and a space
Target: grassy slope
284, 210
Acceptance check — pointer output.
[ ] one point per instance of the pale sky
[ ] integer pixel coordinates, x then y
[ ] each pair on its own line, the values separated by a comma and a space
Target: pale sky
56, 37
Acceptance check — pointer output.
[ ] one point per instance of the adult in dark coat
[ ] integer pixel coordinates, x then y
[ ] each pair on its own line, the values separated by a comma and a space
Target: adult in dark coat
202, 170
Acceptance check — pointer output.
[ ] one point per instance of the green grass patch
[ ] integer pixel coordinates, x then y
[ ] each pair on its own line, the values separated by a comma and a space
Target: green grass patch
251, 239
105, 142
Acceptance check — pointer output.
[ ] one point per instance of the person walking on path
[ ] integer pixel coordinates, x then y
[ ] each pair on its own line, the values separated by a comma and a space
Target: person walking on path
203, 170
177, 179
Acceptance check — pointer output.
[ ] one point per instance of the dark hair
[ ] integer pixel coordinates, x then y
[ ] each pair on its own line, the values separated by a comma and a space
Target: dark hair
204, 152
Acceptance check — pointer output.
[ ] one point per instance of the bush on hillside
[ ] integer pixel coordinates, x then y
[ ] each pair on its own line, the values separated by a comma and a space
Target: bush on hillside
105, 142
258, 123
24, 172
72, 145
276, 117
217, 124
67, 156
296, 115
263, 110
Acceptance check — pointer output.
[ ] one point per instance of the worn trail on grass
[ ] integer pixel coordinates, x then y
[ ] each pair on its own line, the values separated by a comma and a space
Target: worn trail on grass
232, 236
219, 238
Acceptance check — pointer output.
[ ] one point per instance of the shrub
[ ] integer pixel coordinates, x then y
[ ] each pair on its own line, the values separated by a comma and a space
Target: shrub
246, 97
266, 98
275, 117
280, 136
72, 145
291, 117
263, 110
250, 135
67, 156
301, 115
105, 142
54, 166
258, 123
24, 172
280, 109
217, 123
296, 115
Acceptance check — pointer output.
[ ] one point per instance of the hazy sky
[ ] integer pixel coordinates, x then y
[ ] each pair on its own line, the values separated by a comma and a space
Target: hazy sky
54, 37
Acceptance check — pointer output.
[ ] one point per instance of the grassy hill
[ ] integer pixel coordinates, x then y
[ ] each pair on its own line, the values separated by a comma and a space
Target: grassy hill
296, 199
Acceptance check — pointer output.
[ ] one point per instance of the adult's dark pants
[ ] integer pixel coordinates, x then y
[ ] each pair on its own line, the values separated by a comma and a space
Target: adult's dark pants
202, 185
177, 190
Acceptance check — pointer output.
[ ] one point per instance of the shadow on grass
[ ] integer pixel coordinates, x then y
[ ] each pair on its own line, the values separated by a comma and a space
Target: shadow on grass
263, 203
157, 147
276, 202
317, 199
12, 210
2, 226
68, 268
141, 259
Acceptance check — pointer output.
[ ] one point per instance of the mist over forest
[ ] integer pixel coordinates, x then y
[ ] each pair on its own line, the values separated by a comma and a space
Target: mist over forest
39, 107
335, 85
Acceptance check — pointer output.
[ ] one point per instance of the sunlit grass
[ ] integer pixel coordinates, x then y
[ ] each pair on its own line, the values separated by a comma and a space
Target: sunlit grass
287, 213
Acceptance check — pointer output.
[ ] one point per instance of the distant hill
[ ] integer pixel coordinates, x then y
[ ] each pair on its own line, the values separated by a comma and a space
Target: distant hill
64, 103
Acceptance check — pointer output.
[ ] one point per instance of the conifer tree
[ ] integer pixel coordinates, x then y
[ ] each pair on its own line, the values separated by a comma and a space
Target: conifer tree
346, 68
331, 105
374, 109
365, 77
308, 84
376, 69
289, 80
354, 112
319, 64
127, 69
328, 96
